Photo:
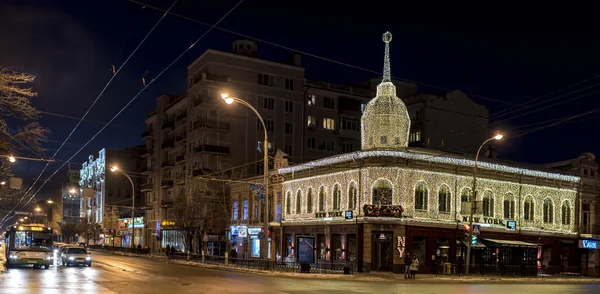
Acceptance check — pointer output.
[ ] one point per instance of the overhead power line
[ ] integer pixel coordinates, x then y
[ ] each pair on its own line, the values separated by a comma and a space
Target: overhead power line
132, 99
81, 118
313, 55
90, 108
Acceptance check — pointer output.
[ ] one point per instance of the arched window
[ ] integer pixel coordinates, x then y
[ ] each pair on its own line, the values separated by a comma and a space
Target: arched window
322, 199
337, 197
288, 203
548, 211
465, 194
309, 201
298, 202
488, 203
382, 192
528, 209
352, 196
566, 213
235, 212
245, 209
421, 195
444, 199
509, 206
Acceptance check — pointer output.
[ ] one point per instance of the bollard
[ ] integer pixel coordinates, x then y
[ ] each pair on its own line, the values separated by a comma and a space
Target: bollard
226, 258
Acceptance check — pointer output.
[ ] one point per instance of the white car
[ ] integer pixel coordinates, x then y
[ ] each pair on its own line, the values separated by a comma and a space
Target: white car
76, 256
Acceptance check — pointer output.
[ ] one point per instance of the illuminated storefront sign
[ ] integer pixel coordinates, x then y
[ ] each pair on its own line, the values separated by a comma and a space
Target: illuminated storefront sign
254, 231
511, 225
589, 244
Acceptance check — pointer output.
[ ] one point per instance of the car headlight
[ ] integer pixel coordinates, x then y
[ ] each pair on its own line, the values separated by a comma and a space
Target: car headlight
71, 258
55, 250
88, 258
14, 256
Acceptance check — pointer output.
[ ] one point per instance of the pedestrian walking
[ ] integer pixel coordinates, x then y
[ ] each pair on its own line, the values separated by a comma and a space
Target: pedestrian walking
168, 251
407, 261
233, 255
414, 266
172, 251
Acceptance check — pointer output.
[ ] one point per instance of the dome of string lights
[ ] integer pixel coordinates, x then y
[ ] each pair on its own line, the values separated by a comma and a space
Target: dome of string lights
385, 121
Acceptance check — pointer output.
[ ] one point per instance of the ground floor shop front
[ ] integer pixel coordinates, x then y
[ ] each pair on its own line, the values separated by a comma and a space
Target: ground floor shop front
384, 246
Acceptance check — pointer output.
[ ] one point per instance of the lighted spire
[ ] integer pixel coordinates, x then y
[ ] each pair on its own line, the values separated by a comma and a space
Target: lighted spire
387, 38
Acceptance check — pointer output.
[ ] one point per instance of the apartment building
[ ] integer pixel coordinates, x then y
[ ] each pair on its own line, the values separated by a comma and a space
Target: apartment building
193, 136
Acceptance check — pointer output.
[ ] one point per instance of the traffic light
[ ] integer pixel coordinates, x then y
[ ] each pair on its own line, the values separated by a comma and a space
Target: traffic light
473, 240
467, 231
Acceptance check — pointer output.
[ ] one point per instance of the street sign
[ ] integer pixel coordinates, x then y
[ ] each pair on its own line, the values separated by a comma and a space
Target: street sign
476, 229
261, 235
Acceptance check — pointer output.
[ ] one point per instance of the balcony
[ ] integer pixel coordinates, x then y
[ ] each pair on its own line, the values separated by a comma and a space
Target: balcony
166, 203
168, 144
167, 164
181, 116
151, 114
147, 187
168, 126
180, 158
146, 135
223, 150
180, 140
148, 153
589, 229
166, 183
148, 171
211, 124
201, 171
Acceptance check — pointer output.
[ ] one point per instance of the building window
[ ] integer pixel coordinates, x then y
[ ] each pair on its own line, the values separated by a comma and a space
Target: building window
312, 100
268, 103
383, 140
337, 197
311, 121
270, 124
256, 209
465, 195
278, 208
421, 194
488, 204
444, 199
362, 107
311, 143
289, 128
287, 149
566, 213
289, 106
548, 211
347, 147
235, 210
509, 206
289, 84
352, 199
415, 137
327, 145
328, 103
309, 201
528, 209
382, 192
288, 203
322, 199
350, 124
298, 202
245, 211
266, 80
329, 123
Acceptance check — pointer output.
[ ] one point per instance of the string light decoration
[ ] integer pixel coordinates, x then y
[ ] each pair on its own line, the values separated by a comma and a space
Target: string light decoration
385, 122
360, 155
405, 181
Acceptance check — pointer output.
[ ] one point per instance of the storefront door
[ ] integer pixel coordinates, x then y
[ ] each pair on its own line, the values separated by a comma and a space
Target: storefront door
382, 251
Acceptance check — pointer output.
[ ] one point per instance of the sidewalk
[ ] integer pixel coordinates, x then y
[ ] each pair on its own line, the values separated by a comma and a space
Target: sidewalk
380, 276
3, 259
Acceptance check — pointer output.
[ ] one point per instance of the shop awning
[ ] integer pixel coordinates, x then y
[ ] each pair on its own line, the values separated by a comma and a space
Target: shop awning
508, 243
477, 245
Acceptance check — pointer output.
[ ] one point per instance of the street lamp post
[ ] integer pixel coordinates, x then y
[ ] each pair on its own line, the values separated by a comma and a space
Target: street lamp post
116, 169
60, 211
264, 242
473, 198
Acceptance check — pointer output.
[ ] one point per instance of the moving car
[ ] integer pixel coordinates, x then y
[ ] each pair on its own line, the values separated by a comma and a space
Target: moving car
76, 256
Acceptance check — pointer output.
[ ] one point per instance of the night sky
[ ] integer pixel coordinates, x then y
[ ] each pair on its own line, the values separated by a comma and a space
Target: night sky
503, 54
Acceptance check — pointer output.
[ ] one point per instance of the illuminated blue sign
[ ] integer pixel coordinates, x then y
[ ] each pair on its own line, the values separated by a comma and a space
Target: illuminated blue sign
511, 225
589, 244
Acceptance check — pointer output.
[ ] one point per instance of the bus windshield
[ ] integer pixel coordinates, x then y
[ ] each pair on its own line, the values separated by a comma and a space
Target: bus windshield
30, 240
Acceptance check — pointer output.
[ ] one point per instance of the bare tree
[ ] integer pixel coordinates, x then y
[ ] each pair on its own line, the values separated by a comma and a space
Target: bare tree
90, 229
189, 217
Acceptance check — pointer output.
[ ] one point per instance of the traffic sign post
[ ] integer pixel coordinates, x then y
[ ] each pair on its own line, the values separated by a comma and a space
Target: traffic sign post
261, 235
476, 229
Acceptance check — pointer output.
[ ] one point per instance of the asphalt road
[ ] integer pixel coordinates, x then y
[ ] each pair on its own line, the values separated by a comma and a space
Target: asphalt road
119, 274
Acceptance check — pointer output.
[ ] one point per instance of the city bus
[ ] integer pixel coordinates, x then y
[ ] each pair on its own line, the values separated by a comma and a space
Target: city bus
29, 244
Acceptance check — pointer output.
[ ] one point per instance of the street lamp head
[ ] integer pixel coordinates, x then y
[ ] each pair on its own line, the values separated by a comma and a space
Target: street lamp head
12, 158
498, 137
3, 183
26, 218
50, 201
38, 209
21, 220
72, 191
114, 168
224, 95
229, 100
